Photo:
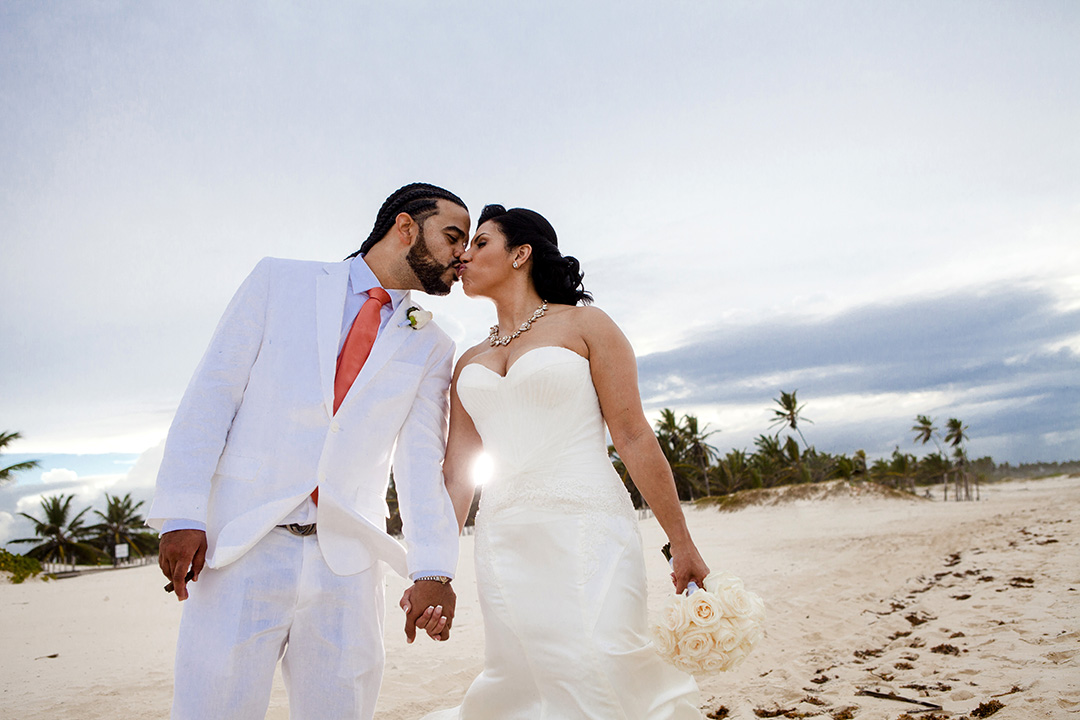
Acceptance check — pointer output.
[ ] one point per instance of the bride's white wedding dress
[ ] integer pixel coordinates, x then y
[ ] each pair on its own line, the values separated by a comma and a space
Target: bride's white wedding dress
559, 562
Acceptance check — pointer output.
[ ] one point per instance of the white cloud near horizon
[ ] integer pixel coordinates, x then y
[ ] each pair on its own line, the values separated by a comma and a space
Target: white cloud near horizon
59, 476
89, 490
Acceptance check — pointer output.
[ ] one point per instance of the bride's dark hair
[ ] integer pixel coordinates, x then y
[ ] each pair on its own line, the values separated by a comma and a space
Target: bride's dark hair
557, 277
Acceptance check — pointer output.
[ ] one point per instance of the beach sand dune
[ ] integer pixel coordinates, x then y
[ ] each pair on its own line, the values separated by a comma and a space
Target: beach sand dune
951, 604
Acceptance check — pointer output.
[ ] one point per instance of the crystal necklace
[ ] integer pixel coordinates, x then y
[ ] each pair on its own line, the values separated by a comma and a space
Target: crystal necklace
495, 339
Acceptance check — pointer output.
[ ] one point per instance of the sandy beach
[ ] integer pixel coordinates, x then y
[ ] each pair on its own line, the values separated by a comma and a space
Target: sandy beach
948, 604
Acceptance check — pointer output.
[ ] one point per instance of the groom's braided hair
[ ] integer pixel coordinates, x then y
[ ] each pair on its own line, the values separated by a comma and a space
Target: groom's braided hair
416, 199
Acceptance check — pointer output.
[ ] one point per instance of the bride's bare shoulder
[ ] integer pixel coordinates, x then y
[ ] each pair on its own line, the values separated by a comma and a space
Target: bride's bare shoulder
591, 319
587, 314
595, 327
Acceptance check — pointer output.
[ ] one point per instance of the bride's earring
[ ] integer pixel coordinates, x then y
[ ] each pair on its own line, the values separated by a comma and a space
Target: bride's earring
515, 264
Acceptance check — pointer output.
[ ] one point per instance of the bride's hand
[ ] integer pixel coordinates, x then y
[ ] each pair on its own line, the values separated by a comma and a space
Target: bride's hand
689, 566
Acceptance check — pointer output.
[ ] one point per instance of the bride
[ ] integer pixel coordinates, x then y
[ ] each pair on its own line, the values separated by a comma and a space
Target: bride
559, 561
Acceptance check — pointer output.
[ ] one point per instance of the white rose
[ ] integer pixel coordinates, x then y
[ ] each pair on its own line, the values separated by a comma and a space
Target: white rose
742, 625
704, 610
722, 602
664, 640
746, 647
757, 612
735, 658
714, 663
727, 636
720, 582
696, 644
739, 602
686, 664
753, 637
675, 616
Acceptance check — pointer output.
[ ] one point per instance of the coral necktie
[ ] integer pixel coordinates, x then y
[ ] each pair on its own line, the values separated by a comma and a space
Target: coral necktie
354, 353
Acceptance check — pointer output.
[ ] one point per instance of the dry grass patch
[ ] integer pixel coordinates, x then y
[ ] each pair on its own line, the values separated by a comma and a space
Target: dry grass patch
764, 497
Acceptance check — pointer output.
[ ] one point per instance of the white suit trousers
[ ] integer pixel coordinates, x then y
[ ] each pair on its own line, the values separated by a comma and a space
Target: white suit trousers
280, 601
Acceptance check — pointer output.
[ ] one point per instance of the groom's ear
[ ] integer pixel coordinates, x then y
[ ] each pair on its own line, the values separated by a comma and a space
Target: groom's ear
405, 228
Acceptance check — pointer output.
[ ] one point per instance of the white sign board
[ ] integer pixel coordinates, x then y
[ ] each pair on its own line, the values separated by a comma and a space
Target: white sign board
121, 551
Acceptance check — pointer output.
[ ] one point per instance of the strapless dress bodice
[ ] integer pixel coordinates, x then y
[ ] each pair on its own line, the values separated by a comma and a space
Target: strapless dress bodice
542, 427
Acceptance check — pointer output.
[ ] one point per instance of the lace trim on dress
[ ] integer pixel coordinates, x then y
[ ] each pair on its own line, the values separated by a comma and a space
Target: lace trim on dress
592, 504
584, 501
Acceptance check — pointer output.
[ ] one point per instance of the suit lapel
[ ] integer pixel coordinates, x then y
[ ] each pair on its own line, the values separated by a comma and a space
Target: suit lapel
330, 289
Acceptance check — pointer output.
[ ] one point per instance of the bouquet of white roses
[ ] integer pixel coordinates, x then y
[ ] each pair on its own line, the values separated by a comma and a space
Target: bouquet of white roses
710, 630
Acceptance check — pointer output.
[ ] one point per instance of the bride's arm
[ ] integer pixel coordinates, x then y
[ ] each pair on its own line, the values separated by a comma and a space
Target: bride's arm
614, 373
463, 446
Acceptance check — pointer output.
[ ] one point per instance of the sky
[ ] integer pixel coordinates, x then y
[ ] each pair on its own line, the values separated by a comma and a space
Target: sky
874, 204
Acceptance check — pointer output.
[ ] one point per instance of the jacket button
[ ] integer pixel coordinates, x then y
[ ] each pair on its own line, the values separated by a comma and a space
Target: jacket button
335, 427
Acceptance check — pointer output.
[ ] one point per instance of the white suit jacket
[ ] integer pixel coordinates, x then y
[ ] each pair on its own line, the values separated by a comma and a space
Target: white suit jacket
255, 431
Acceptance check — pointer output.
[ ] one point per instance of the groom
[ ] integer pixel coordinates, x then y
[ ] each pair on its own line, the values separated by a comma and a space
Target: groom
271, 493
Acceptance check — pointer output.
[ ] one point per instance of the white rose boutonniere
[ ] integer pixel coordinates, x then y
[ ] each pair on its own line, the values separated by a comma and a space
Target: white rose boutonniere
417, 318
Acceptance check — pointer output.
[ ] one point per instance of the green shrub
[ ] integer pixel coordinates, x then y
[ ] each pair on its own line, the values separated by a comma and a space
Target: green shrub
20, 566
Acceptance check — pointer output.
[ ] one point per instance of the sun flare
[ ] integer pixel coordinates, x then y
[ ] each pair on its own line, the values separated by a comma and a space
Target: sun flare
483, 468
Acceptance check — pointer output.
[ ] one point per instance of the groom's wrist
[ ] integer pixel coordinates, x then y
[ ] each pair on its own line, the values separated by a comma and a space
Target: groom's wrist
442, 579
428, 571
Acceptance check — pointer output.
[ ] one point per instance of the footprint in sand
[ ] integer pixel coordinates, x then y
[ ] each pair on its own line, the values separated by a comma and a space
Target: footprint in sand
1060, 657
1069, 701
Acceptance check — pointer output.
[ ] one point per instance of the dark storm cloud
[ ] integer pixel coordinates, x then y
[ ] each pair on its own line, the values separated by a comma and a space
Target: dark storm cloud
1000, 349
960, 340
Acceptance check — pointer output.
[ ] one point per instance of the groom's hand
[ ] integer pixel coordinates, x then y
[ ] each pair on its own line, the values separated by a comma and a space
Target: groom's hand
429, 606
178, 551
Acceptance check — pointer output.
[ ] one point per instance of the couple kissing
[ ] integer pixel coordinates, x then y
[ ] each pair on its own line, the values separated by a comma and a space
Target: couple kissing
319, 379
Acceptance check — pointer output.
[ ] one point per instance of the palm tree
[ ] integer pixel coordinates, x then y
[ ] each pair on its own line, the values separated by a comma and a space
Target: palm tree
858, 463
734, 469
880, 470
789, 413
7, 474
60, 537
925, 432
902, 468
673, 444
668, 432
956, 435
122, 524
933, 468
955, 432
797, 472
697, 450
770, 462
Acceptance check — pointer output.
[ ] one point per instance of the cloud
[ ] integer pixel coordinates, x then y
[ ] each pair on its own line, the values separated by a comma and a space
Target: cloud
59, 476
89, 491
1003, 359
143, 473
7, 525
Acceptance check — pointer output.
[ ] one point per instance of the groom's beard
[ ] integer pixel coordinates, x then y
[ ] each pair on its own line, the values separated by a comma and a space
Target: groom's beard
428, 270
